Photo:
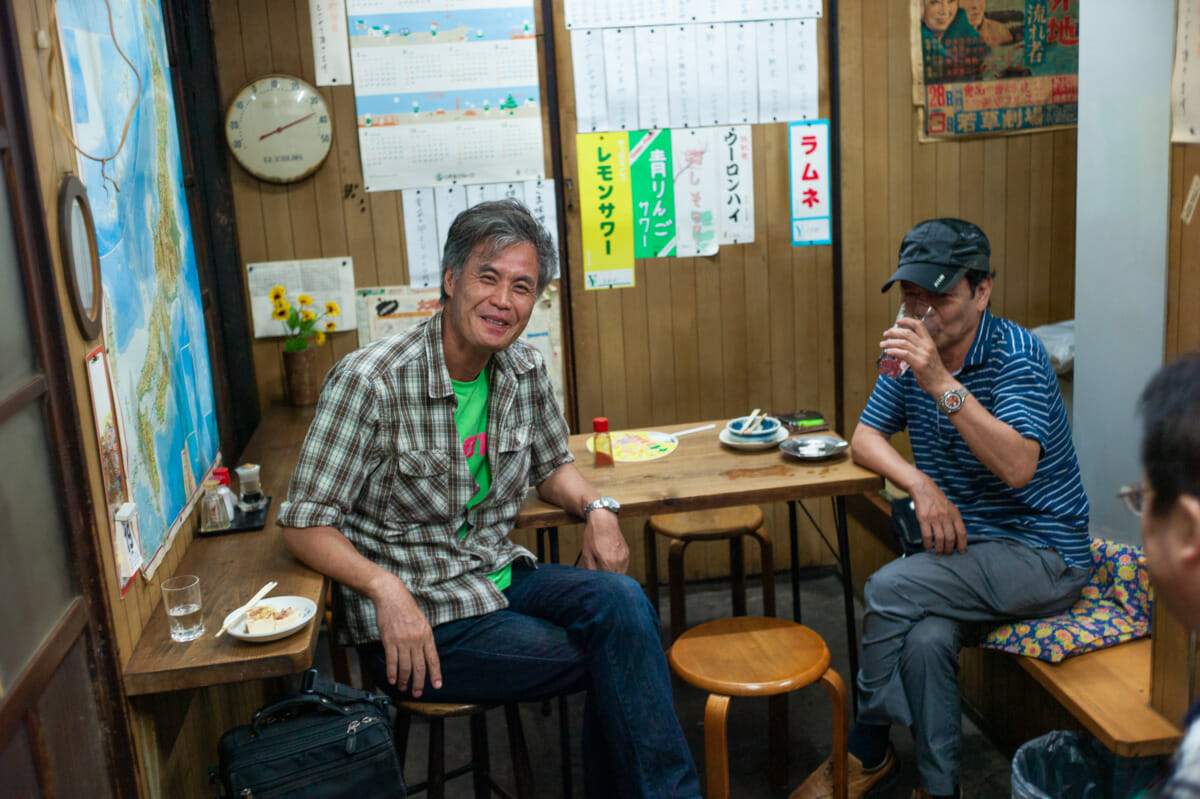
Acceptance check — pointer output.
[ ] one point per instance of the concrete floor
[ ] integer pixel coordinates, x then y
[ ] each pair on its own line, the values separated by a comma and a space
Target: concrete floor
986, 769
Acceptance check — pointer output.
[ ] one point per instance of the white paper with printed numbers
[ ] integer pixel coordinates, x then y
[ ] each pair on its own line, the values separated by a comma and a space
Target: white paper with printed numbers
683, 76
421, 238
650, 45
587, 63
331, 48
741, 48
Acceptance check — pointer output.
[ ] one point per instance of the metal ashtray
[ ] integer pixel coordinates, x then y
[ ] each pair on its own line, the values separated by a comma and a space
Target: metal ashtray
814, 448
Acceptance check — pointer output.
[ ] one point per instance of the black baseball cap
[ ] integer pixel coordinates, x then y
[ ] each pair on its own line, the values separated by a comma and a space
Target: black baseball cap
938, 252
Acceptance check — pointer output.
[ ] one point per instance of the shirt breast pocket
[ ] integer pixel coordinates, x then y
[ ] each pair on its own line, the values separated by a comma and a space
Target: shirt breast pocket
510, 477
420, 486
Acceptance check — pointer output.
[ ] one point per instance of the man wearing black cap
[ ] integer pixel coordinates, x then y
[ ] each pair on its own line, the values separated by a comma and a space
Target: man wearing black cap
995, 488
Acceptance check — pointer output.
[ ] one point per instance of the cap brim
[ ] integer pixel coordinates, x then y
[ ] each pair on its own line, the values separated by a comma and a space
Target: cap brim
937, 278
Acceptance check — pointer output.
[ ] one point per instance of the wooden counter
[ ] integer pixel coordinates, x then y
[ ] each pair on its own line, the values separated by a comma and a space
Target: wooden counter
231, 569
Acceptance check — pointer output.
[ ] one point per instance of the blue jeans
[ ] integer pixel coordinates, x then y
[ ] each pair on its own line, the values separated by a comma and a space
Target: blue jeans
565, 630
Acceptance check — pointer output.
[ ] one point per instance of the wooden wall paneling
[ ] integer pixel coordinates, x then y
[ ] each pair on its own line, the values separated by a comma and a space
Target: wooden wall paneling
970, 180
660, 344
949, 202
683, 336
1013, 281
1174, 250
639, 394
1038, 297
710, 312
1062, 243
1186, 323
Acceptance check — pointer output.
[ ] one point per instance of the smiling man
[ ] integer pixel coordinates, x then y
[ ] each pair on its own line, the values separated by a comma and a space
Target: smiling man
408, 483
995, 488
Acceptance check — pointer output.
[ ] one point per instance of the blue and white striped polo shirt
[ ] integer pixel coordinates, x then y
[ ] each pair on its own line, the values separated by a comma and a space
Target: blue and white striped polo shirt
1008, 372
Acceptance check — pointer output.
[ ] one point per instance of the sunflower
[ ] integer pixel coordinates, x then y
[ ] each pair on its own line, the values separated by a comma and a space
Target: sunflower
331, 309
280, 312
330, 326
319, 337
277, 293
304, 299
307, 315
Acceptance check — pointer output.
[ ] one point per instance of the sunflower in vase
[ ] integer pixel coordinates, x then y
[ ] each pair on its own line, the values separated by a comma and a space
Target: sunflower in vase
300, 321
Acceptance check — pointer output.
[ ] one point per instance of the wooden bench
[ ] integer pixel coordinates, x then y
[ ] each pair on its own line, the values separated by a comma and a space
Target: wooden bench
1106, 691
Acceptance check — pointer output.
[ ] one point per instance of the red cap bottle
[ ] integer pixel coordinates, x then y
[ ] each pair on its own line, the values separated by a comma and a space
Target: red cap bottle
601, 442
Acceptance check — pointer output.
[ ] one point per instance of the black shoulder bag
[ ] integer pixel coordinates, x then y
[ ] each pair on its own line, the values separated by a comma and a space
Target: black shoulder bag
330, 740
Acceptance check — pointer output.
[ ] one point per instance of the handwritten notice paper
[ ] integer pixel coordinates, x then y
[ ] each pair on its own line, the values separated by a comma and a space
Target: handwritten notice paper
808, 155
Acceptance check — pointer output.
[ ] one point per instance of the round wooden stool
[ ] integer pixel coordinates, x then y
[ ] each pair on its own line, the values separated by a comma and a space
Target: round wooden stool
708, 525
757, 656
480, 765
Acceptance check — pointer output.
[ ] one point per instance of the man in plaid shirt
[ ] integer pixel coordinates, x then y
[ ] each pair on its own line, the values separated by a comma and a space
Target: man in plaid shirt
409, 480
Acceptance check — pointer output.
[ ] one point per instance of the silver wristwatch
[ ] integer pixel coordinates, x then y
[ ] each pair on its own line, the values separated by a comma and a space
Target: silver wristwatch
608, 503
952, 401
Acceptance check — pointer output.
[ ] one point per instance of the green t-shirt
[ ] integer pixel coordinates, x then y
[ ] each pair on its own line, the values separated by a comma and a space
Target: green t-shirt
471, 420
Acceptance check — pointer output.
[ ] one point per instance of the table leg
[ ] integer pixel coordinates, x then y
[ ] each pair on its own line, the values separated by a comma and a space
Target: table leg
843, 539
794, 546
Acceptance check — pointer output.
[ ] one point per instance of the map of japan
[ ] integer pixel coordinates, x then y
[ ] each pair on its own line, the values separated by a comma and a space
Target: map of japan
154, 326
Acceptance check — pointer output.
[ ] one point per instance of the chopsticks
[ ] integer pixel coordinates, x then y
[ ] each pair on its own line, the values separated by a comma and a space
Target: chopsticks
237, 614
753, 422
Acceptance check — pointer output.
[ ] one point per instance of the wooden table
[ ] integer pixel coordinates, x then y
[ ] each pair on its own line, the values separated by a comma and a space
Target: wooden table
703, 473
231, 568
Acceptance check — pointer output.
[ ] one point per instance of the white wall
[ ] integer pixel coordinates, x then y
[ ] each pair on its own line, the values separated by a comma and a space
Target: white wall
1120, 240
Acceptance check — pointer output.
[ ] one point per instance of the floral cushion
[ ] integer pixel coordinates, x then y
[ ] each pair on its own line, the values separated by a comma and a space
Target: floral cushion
1114, 606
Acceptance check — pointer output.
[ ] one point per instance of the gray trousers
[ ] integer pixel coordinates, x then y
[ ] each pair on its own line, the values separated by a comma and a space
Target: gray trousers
919, 612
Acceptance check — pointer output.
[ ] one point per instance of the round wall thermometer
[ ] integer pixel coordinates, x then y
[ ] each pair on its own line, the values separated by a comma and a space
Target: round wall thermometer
278, 128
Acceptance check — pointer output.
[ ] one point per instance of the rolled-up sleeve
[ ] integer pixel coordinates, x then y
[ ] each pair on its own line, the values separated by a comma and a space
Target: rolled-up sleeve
338, 453
550, 432
885, 407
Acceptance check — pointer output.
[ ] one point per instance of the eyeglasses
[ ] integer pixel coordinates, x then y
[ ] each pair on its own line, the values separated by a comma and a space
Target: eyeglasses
1133, 496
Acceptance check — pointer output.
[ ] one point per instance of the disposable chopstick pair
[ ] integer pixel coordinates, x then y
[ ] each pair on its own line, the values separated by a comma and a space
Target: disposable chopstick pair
237, 614
689, 431
753, 422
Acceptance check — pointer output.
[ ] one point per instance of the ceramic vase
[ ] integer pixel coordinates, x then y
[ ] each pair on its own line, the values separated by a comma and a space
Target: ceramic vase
300, 371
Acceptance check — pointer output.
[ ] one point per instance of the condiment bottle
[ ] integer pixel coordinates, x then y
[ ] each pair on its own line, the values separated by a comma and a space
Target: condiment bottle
601, 441
216, 507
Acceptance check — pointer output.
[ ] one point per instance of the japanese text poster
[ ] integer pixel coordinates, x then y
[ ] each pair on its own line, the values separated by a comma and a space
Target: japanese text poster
606, 209
653, 193
808, 157
736, 174
697, 193
999, 67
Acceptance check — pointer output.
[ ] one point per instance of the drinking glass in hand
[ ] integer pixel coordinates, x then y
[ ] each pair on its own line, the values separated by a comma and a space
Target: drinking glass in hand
892, 366
181, 598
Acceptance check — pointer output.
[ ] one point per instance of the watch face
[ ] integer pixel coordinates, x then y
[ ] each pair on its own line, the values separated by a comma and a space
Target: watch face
952, 401
278, 128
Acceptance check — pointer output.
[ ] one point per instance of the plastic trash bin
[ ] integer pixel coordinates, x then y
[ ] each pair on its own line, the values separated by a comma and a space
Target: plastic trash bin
1075, 765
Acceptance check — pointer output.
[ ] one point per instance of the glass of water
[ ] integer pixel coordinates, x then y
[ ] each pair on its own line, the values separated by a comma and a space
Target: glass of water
181, 597
911, 308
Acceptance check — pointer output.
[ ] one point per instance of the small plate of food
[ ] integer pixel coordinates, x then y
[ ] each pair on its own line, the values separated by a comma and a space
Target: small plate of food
271, 619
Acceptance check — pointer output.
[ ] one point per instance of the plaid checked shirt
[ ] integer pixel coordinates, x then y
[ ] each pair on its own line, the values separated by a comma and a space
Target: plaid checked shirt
383, 464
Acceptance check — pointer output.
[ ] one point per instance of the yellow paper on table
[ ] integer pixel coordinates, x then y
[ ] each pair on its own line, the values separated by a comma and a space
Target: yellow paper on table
631, 446
605, 210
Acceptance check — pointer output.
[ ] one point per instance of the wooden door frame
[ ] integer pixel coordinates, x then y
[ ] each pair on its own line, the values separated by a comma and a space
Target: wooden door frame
89, 615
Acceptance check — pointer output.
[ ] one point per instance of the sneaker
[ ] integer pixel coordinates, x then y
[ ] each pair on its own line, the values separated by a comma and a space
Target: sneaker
819, 784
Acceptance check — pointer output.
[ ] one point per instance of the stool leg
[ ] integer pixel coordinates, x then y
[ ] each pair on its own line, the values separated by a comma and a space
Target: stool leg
716, 747
766, 548
837, 693
650, 545
480, 762
522, 771
436, 779
675, 585
777, 740
400, 734
737, 574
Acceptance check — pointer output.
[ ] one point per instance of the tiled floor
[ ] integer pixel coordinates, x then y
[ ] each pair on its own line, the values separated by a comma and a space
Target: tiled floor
986, 769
